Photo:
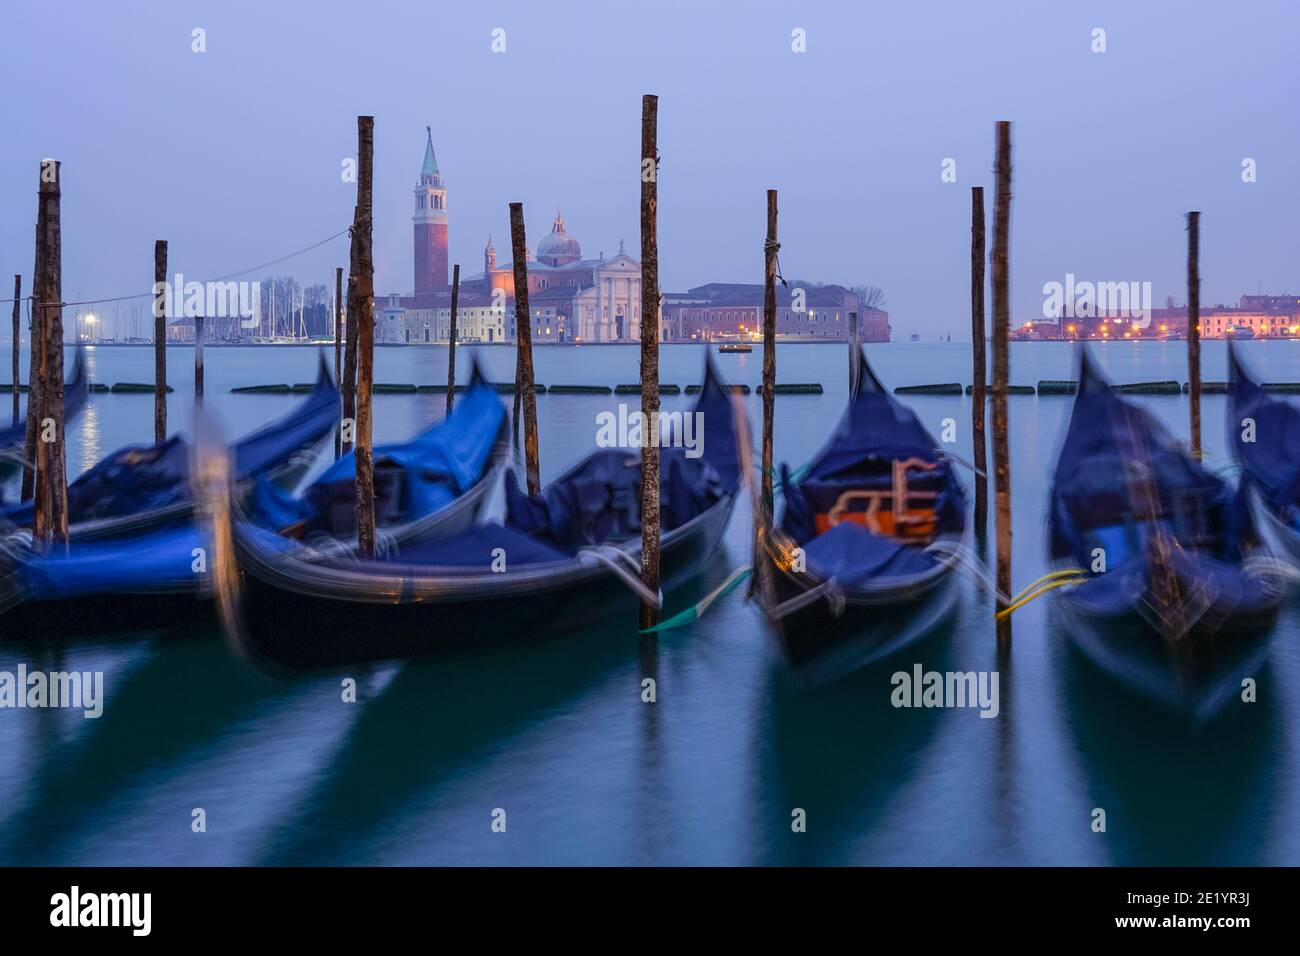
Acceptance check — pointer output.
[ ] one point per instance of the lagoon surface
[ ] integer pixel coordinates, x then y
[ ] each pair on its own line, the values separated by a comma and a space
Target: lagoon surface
556, 734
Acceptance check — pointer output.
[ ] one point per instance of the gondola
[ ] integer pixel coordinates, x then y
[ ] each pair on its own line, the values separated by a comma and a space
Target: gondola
161, 574
13, 437
1178, 592
136, 554
1265, 436
431, 485
567, 557
143, 487
861, 562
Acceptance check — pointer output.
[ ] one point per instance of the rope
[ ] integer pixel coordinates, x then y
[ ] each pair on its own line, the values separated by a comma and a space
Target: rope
774, 247
693, 614
601, 554
1016, 605
150, 295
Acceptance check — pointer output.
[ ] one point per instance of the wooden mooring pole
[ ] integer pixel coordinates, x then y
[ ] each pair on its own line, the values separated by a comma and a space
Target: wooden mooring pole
770, 248
18, 294
160, 341
349, 384
451, 338
978, 346
1194, 326
524, 350
1001, 328
51, 519
649, 168
361, 285
198, 357
338, 350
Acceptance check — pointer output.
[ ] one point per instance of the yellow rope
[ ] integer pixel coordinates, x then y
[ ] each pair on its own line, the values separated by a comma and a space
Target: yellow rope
1050, 576
1022, 601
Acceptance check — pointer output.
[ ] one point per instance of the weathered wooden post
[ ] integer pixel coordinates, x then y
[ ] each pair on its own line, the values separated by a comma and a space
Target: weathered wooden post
160, 340
198, 357
1194, 325
854, 338
361, 285
18, 294
770, 248
978, 346
524, 349
349, 383
451, 338
649, 355
51, 522
1001, 327
338, 350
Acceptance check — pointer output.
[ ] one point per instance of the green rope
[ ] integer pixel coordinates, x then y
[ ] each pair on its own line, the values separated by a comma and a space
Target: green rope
693, 614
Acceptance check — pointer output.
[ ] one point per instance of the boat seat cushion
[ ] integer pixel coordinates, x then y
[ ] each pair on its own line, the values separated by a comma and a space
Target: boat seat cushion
855, 557
600, 500
486, 547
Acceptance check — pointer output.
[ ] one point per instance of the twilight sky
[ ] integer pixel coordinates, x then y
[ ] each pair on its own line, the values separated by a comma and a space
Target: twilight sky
234, 155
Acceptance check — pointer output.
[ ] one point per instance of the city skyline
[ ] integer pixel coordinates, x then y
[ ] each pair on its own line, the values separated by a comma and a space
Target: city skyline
1103, 176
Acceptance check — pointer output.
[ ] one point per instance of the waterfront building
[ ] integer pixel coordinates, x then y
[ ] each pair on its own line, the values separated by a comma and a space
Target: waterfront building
575, 299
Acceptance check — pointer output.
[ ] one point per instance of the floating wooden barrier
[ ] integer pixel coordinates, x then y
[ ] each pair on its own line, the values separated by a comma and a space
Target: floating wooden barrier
442, 389
945, 388
1289, 388
636, 389
303, 388
259, 389
94, 388
392, 388
1057, 386
579, 389
793, 388
1207, 388
9, 388
736, 389
1148, 388
132, 388
1011, 390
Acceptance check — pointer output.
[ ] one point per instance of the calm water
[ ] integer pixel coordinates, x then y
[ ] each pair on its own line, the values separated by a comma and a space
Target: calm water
557, 734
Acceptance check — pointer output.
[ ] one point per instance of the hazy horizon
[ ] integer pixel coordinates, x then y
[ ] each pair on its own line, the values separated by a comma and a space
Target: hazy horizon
234, 155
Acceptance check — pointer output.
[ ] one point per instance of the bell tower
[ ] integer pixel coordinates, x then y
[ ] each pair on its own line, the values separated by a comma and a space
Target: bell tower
430, 220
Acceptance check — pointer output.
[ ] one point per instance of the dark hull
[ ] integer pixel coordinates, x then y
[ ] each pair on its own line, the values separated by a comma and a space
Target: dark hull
298, 624
835, 634
150, 609
104, 614
1197, 676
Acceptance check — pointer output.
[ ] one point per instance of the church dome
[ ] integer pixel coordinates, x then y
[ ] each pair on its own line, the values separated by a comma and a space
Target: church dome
558, 248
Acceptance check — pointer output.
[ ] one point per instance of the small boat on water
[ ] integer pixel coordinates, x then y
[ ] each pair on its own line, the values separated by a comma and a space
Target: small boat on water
13, 438
553, 562
430, 485
136, 552
146, 486
1179, 592
1265, 436
860, 564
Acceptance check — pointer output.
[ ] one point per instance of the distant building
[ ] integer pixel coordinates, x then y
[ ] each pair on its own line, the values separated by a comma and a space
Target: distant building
1216, 322
729, 309
573, 299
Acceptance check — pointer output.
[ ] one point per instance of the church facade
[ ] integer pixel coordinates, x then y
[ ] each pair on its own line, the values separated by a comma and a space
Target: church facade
574, 298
